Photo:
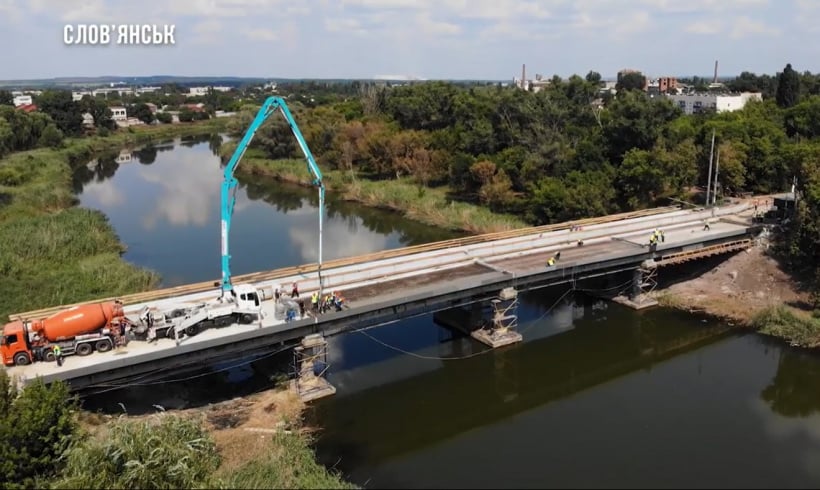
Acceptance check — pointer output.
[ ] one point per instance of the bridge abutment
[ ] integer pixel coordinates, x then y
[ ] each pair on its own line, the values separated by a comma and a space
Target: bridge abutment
310, 362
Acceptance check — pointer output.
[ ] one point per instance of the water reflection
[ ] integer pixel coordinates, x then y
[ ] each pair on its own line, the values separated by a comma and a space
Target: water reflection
167, 213
794, 390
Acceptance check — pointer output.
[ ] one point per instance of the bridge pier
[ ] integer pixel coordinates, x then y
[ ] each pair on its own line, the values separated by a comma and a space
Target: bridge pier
308, 358
643, 283
501, 329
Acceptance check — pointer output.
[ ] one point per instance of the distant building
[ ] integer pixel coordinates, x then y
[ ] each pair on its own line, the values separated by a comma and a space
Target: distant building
22, 100
153, 107
77, 96
88, 120
665, 84
697, 103
194, 107
27, 107
119, 114
147, 90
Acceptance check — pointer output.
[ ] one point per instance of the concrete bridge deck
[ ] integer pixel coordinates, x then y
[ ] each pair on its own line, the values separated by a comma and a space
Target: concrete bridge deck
408, 284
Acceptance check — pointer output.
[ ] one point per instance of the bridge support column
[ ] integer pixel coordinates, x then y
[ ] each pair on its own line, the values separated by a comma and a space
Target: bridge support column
310, 363
643, 283
501, 330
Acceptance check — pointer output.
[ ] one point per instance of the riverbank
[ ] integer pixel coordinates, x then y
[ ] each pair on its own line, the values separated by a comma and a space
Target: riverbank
430, 206
751, 290
259, 440
56, 253
53, 251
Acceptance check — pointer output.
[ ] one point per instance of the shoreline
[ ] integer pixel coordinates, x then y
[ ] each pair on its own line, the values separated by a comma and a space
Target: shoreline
64, 254
749, 290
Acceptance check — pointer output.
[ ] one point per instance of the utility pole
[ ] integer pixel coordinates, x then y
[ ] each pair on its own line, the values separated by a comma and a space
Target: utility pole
709, 178
717, 172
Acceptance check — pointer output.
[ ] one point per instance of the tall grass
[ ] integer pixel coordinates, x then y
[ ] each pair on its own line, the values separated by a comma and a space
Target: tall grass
423, 204
786, 323
155, 453
289, 463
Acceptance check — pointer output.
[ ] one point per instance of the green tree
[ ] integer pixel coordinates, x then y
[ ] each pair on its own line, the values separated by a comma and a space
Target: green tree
36, 428
142, 112
66, 113
186, 115
633, 80
593, 77
6, 98
99, 111
788, 87
165, 118
169, 453
51, 137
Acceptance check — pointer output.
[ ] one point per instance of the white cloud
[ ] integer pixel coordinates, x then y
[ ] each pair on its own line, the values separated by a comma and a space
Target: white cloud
705, 27
744, 27
344, 25
106, 193
206, 32
262, 35
188, 190
339, 242
430, 26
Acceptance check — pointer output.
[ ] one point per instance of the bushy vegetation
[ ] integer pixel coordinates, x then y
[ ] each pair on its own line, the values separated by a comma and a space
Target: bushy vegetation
156, 453
289, 463
36, 426
790, 325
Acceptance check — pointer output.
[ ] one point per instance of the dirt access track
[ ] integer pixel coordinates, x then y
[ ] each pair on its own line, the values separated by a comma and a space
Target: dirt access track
737, 289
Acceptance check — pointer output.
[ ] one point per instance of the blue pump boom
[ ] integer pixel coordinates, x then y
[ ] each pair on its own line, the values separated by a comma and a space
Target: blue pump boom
229, 182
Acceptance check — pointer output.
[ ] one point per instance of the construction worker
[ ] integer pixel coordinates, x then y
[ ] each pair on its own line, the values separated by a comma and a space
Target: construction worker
294, 293
706, 226
314, 301
551, 262
58, 355
663, 237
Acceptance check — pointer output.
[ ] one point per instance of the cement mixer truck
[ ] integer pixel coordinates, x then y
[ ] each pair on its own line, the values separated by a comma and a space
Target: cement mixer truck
79, 330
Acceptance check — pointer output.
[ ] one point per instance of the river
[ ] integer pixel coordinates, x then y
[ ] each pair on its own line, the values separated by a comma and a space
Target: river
596, 396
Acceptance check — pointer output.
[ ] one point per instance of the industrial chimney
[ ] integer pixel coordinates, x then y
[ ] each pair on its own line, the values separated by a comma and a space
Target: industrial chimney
716, 67
524, 76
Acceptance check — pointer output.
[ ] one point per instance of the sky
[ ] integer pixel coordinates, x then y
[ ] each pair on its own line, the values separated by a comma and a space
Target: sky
429, 39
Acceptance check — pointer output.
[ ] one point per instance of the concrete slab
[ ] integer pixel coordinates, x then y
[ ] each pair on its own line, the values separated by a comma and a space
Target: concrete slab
497, 338
639, 303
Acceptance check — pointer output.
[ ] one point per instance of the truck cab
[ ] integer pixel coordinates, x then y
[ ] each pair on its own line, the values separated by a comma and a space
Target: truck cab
247, 297
14, 346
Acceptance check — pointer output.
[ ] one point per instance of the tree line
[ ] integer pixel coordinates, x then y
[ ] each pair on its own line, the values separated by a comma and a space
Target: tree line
564, 152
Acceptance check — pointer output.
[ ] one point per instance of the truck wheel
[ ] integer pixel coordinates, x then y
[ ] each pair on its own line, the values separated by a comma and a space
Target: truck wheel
192, 330
103, 345
21, 359
84, 349
170, 333
246, 319
49, 356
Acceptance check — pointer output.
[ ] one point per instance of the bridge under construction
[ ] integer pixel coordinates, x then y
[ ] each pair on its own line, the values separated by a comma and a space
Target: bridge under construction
390, 285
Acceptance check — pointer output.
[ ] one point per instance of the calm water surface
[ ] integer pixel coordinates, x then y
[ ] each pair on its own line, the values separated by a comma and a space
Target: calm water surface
596, 396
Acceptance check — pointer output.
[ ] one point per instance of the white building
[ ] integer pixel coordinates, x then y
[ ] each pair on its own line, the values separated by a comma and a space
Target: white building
118, 113
77, 96
22, 100
197, 91
696, 103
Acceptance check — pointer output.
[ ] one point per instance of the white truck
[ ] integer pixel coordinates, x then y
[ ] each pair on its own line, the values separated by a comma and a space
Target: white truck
243, 305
